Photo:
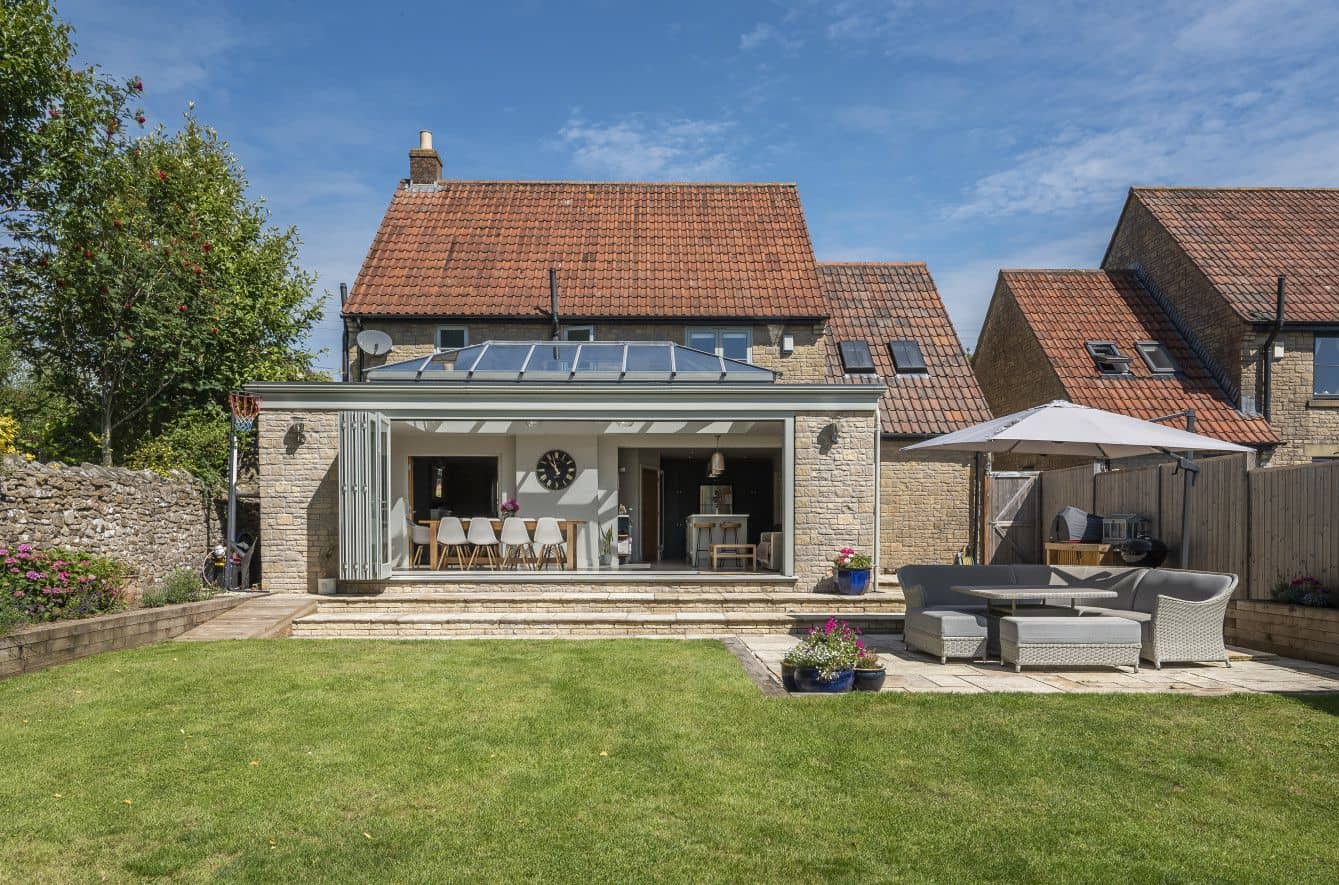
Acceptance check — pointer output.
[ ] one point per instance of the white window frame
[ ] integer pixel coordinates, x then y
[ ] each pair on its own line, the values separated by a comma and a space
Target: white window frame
589, 330
720, 332
437, 336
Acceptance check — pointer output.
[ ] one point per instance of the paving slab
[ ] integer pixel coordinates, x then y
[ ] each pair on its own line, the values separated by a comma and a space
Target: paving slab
910, 671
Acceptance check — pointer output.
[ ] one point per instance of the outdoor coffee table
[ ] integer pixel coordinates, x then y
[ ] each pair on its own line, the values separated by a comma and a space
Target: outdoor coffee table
1005, 600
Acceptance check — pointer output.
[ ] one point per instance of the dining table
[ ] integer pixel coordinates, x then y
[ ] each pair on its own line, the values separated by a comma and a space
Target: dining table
567, 526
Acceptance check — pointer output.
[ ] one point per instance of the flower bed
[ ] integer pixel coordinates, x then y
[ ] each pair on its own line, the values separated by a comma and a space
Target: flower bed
1308, 632
39, 586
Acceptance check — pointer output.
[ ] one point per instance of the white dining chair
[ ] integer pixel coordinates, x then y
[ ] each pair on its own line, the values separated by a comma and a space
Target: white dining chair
420, 538
482, 537
518, 548
551, 541
451, 536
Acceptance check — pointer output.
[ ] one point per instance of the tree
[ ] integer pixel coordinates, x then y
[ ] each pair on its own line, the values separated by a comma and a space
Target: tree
140, 280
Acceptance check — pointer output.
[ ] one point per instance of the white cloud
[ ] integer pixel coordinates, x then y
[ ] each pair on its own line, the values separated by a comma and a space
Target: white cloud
638, 147
764, 33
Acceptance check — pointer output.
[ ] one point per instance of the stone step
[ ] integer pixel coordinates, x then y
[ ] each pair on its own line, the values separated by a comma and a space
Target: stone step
575, 624
596, 601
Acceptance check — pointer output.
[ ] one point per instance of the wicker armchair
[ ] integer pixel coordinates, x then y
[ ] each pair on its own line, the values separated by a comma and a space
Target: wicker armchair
1187, 622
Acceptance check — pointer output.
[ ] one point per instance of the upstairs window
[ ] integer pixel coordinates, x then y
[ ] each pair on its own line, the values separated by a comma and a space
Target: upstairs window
733, 344
907, 357
1325, 366
1108, 359
452, 337
1156, 357
856, 359
579, 333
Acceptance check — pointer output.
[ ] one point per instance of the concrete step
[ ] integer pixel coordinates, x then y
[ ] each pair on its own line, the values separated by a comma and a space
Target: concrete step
576, 623
615, 601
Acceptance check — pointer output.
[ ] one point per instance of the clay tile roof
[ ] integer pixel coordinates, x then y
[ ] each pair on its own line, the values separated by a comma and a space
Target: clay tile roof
1067, 308
484, 248
881, 302
1243, 238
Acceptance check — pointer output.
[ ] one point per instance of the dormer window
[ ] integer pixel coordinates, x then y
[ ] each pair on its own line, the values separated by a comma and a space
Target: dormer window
1109, 360
1156, 357
856, 359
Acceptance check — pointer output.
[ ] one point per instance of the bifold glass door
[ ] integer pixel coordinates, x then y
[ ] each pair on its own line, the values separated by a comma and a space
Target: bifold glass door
364, 496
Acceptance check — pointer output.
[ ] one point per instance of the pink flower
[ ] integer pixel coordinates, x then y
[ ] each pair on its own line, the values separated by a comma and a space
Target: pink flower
32, 575
25, 548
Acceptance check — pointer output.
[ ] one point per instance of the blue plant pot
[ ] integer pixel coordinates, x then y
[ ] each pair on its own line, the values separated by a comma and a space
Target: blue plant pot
870, 680
808, 680
852, 581
788, 677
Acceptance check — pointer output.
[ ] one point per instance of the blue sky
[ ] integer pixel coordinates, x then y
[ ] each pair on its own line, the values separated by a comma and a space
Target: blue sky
972, 136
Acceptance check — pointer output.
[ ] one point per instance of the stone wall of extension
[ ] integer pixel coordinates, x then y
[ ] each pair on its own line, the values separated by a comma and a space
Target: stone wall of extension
925, 506
153, 524
835, 490
806, 365
1308, 426
299, 498
45, 645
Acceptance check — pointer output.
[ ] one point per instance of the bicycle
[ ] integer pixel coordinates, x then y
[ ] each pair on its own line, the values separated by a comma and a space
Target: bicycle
214, 572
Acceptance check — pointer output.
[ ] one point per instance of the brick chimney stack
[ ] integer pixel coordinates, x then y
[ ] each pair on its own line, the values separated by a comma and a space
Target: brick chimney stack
425, 167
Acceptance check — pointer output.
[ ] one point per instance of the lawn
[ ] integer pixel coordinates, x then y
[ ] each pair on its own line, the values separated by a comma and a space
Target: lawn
619, 761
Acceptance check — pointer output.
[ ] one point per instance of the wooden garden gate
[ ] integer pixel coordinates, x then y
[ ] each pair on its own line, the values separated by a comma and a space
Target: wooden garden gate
1013, 508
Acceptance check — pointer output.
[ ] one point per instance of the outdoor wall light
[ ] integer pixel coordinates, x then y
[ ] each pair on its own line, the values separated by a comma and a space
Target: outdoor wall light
297, 430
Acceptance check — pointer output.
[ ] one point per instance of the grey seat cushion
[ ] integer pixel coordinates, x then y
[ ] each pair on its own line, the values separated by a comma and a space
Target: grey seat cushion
947, 622
1080, 630
1187, 585
924, 586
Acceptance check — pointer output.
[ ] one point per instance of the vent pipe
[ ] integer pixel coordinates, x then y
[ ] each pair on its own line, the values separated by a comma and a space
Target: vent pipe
553, 301
1267, 391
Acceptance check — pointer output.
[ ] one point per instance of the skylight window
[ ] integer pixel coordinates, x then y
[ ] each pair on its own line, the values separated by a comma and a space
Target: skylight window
1109, 360
856, 359
1156, 357
907, 357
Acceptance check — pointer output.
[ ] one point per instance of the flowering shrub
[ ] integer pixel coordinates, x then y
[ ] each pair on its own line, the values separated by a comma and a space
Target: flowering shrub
55, 584
9, 435
1305, 591
848, 558
829, 649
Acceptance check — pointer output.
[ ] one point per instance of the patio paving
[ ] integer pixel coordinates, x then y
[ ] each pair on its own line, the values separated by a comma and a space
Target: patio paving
910, 671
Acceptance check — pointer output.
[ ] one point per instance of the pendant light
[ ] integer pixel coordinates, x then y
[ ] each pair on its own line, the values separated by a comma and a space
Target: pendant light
716, 466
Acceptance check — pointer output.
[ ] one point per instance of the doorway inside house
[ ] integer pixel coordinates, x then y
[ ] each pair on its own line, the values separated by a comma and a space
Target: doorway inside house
452, 486
653, 540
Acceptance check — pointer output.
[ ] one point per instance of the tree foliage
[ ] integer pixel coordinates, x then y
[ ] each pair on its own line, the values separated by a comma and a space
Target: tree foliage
141, 281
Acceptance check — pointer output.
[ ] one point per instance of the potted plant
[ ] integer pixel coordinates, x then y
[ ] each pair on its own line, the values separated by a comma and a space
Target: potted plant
869, 670
607, 548
852, 571
824, 661
509, 507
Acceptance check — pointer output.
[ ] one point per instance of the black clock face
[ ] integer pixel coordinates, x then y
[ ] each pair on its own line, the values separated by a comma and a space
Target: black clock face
556, 469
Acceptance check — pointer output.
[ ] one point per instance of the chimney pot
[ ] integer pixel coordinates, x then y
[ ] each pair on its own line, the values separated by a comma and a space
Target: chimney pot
425, 165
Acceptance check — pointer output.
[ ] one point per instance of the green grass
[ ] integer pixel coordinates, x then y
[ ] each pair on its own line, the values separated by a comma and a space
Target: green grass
368, 761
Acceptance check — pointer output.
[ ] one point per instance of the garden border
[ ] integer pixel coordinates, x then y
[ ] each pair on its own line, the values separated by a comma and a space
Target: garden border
40, 646
1296, 631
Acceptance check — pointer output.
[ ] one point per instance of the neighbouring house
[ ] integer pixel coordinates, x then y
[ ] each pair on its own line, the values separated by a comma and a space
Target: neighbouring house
658, 366
1183, 313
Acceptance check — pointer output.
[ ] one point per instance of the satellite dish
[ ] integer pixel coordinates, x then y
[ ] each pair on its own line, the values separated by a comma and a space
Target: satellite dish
374, 342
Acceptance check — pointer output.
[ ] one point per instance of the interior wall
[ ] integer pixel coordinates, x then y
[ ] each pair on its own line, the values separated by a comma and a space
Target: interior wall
582, 501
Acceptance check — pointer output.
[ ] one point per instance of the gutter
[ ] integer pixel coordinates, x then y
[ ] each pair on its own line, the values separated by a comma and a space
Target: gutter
1267, 353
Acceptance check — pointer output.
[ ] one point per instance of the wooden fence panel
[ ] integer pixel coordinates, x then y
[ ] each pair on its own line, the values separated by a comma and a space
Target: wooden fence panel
1218, 507
1130, 491
1294, 521
1067, 487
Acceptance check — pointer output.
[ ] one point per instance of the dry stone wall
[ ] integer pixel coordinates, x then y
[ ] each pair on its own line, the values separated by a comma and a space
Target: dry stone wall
154, 524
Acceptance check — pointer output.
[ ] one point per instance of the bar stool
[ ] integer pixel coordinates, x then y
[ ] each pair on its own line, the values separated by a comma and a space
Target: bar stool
482, 537
518, 548
451, 536
702, 544
730, 532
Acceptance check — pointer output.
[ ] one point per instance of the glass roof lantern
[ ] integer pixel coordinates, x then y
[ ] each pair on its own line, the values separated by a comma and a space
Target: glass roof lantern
621, 361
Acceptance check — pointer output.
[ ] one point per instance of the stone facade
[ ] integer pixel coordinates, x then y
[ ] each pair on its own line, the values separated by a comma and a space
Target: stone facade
417, 338
153, 524
925, 506
1141, 243
1309, 427
299, 499
1010, 364
836, 485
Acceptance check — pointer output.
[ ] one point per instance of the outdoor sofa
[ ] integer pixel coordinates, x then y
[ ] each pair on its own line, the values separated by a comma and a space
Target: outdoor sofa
1180, 613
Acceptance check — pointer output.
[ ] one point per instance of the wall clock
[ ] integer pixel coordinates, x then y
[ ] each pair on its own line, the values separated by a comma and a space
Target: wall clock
556, 469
